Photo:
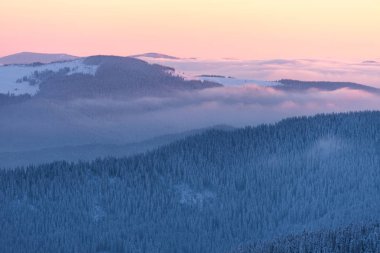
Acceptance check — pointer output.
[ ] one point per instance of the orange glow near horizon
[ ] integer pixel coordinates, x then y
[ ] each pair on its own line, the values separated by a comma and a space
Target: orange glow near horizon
245, 29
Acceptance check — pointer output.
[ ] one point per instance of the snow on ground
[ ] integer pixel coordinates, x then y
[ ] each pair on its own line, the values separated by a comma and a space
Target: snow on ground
98, 213
191, 197
230, 81
11, 75
223, 80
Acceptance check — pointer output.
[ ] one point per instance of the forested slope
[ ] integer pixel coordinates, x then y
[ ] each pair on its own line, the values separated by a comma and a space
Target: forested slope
208, 193
361, 238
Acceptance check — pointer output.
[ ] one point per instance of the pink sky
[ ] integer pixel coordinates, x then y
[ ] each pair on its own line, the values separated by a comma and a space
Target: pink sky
246, 29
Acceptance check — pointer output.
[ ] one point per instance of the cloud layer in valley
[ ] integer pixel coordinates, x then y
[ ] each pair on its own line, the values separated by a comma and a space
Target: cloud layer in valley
45, 123
236, 106
365, 72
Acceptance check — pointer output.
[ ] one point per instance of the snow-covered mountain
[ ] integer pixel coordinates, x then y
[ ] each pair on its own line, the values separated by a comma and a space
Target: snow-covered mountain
80, 77
29, 57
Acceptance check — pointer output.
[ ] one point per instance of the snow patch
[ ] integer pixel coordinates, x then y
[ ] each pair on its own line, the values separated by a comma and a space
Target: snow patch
15, 79
230, 81
327, 146
97, 212
23, 204
191, 197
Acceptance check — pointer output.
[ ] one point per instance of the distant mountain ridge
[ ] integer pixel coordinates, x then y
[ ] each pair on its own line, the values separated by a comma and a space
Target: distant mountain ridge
290, 84
30, 57
87, 74
156, 56
296, 85
370, 62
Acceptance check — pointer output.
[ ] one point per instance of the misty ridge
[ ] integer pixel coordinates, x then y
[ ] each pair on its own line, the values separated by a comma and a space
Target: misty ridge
192, 126
58, 105
120, 100
113, 154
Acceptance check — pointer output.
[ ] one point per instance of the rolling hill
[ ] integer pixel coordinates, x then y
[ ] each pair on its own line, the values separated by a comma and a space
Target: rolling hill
94, 76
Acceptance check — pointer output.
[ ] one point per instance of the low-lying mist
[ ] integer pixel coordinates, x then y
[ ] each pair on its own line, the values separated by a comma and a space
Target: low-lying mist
42, 123
365, 72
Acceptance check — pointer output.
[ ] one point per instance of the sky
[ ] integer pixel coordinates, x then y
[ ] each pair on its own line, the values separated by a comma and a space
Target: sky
244, 29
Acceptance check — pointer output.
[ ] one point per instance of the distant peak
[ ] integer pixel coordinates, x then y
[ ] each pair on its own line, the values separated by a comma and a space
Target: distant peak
369, 62
31, 57
156, 56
